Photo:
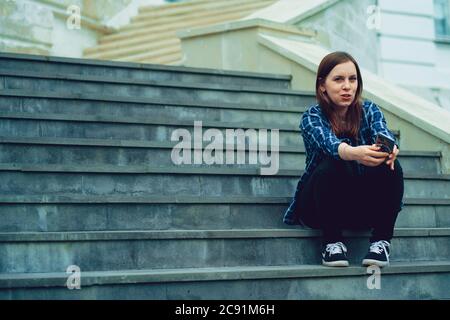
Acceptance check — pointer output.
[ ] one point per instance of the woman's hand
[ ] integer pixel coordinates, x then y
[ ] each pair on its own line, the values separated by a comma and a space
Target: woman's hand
368, 155
392, 157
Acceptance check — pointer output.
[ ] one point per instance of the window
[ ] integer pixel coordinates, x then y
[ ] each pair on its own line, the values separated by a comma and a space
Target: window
442, 18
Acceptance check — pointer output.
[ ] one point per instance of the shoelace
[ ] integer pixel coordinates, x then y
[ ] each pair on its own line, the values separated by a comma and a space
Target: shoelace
378, 247
334, 248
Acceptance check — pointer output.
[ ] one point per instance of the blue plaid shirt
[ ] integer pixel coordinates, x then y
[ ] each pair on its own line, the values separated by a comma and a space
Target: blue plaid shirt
320, 142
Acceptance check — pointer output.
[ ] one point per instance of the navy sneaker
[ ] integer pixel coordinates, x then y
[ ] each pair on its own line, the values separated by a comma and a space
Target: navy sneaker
335, 255
378, 254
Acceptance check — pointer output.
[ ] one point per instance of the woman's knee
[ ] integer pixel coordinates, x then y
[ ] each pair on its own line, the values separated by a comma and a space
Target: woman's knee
384, 171
331, 175
384, 183
398, 168
328, 167
397, 173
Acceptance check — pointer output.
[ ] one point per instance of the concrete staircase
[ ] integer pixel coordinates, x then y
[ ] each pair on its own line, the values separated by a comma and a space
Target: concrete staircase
151, 35
87, 180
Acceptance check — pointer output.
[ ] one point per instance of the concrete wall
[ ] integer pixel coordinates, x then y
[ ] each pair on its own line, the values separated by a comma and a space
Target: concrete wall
25, 27
234, 50
402, 48
100, 10
39, 26
407, 42
409, 53
123, 17
217, 51
71, 43
343, 27
103, 10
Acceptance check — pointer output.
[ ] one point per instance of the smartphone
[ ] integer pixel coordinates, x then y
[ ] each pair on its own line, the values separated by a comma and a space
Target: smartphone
385, 142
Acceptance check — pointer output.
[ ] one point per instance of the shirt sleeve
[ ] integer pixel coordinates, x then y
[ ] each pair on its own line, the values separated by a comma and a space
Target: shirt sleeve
378, 123
318, 135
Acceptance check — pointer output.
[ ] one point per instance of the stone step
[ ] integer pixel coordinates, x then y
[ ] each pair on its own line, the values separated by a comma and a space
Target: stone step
121, 50
415, 280
206, 17
201, 18
141, 37
118, 250
151, 89
40, 200
172, 7
67, 212
125, 37
106, 127
145, 108
40, 125
145, 55
90, 152
134, 71
174, 59
195, 10
134, 43
170, 181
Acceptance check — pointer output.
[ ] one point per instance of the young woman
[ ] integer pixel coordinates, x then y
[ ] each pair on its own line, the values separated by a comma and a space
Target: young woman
348, 182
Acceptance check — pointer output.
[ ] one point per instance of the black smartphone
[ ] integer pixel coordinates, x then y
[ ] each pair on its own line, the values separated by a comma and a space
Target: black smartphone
385, 142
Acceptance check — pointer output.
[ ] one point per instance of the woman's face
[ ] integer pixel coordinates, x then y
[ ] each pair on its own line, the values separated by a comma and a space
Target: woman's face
341, 84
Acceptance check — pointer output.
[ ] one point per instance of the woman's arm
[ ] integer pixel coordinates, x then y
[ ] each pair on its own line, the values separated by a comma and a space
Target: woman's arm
378, 123
318, 135
366, 155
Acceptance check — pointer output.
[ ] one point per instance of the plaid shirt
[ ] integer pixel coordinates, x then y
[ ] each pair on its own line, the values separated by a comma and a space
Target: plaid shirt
320, 142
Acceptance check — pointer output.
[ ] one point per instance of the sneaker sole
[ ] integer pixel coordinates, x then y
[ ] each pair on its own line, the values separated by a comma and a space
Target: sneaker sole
371, 262
340, 263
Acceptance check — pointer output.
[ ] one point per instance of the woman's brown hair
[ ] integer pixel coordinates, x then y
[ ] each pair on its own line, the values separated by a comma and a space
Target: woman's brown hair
353, 117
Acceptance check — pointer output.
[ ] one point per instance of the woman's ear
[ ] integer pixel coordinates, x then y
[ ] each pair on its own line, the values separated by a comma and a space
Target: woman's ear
321, 86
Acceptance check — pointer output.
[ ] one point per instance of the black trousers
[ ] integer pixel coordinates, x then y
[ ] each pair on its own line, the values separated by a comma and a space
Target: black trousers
337, 196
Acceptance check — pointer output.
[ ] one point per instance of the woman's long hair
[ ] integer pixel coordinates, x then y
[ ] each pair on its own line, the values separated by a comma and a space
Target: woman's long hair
353, 116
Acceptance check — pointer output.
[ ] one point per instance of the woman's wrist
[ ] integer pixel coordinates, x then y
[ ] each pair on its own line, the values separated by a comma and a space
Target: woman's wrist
341, 150
344, 151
